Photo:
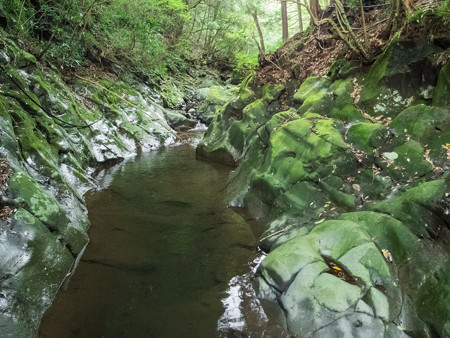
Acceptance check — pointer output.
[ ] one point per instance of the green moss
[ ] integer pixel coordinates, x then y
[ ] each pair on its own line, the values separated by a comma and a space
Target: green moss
411, 162
368, 136
418, 207
38, 201
311, 86
218, 95
441, 95
339, 198
335, 294
319, 103
396, 59
271, 92
342, 90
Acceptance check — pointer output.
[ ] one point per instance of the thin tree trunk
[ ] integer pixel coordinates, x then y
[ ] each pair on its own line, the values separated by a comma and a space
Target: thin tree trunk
366, 40
315, 8
284, 20
300, 19
262, 48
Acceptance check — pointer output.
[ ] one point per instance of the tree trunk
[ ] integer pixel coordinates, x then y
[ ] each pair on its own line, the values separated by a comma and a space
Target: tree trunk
300, 19
262, 48
315, 8
284, 20
363, 18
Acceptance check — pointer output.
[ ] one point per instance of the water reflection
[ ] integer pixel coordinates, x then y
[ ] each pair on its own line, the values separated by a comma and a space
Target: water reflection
164, 250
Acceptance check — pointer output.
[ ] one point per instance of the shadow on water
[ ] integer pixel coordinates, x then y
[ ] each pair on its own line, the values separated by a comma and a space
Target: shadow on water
167, 257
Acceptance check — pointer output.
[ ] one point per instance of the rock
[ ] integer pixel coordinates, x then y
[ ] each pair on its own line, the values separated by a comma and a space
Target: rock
428, 125
411, 162
311, 86
34, 264
441, 96
201, 94
357, 325
368, 136
177, 119
399, 74
51, 159
419, 207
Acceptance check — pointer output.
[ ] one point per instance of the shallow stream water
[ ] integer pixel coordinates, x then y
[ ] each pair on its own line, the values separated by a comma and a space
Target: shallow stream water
166, 258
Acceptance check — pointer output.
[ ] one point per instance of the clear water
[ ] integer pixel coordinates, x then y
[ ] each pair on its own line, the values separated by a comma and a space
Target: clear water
167, 257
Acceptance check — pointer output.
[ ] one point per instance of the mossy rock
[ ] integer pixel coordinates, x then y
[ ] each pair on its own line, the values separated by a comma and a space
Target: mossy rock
420, 121
176, 119
433, 300
227, 137
218, 95
37, 250
441, 95
43, 206
342, 90
388, 232
368, 136
341, 199
343, 68
276, 122
271, 92
411, 162
429, 126
311, 86
320, 103
421, 207
312, 297
395, 66
243, 99
298, 149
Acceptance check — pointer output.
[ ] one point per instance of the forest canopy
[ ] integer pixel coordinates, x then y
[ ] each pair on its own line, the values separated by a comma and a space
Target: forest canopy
167, 35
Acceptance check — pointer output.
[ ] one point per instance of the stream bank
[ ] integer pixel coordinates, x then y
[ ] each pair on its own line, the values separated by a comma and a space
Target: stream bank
55, 134
349, 172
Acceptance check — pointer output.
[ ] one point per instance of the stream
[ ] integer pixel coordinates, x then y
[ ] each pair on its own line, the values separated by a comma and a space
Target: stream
166, 258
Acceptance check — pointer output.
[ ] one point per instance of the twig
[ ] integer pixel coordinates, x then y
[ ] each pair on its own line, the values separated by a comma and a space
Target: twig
271, 235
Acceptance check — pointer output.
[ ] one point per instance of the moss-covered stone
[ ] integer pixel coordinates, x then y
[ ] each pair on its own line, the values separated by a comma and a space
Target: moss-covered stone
429, 126
394, 66
348, 113
271, 92
311, 86
441, 95
38, 201
419, 207
411, 162
368, 136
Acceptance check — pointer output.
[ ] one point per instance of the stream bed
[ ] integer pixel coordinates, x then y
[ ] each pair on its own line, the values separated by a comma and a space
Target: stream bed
166, 258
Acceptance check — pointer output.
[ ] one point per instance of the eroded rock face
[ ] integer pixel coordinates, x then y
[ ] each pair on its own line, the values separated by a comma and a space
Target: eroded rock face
354, 188
50, 157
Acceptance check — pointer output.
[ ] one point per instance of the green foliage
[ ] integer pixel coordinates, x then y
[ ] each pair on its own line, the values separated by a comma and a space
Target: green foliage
144, 35
442, 13
246, 61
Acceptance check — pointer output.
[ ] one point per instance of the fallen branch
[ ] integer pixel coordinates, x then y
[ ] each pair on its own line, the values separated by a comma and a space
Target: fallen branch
271, 235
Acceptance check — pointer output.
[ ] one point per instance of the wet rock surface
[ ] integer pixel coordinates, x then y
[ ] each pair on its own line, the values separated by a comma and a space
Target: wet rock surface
352, 183
53, 137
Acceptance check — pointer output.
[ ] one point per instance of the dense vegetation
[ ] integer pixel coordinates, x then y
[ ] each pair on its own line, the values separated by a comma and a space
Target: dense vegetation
156, 35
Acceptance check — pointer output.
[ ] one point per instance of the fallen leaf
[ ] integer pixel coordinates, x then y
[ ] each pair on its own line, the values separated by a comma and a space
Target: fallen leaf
391, 156
387, 255
356, 187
